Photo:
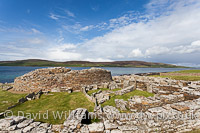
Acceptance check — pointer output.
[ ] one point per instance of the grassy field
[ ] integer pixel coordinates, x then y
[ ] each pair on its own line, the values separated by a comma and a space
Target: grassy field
186, 71
61, 102
187, 78
126, 96
8, 99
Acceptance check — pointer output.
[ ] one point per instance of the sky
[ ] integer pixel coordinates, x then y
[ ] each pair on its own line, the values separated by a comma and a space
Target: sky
166, 31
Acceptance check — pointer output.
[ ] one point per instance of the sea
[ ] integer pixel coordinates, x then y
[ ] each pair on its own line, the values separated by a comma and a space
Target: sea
9, 73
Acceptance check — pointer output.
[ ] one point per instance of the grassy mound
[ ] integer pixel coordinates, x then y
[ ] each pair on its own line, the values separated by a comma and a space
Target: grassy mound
8, 99
53, 104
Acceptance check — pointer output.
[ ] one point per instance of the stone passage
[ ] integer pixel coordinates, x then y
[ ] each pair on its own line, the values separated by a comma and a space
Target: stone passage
60, 79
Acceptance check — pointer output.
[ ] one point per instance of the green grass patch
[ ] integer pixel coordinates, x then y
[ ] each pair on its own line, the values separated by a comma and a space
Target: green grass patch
95, 120
58, 101
93, 91
126, 96
102, 89
8, 99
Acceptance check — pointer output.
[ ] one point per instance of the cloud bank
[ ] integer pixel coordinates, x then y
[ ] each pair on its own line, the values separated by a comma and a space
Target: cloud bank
168, 31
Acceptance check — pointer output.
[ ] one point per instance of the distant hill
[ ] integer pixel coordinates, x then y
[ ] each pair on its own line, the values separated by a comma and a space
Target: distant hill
46, 63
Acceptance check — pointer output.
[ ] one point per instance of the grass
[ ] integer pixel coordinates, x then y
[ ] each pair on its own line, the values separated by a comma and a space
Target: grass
186, 71
8, 99
126, 96
90, 92
186, 78
55, 102
95, 120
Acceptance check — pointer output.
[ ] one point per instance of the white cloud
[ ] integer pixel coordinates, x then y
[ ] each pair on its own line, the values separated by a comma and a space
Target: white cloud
73, 28
196, 43
69, 13
181, 49
86, 28
187, 49
97, 60
136, 53
167, 32
35, 31
156, 50
67, 46
63, 52
160, 35
34, 41
55, 16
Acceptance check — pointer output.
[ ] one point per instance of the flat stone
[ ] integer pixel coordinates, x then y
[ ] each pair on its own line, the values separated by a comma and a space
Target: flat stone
109, 125
180, 107
15, 131
116, 131
35, 124
24, 123
12, 128
71, 124
39, 130
96, 127
5, 123
19, 119
156, 110
45, 125
128, 128
27, 129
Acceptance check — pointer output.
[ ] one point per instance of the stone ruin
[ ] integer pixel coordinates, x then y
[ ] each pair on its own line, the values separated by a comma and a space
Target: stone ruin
60, 79
175, 107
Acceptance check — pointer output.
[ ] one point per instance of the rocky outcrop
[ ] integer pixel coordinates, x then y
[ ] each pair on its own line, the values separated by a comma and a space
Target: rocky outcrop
60, 79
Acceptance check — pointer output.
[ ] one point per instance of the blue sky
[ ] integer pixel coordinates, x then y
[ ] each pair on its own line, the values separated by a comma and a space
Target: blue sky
101, 30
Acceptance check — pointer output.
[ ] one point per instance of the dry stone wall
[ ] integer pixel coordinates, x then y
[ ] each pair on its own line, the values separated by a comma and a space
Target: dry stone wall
60, 79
